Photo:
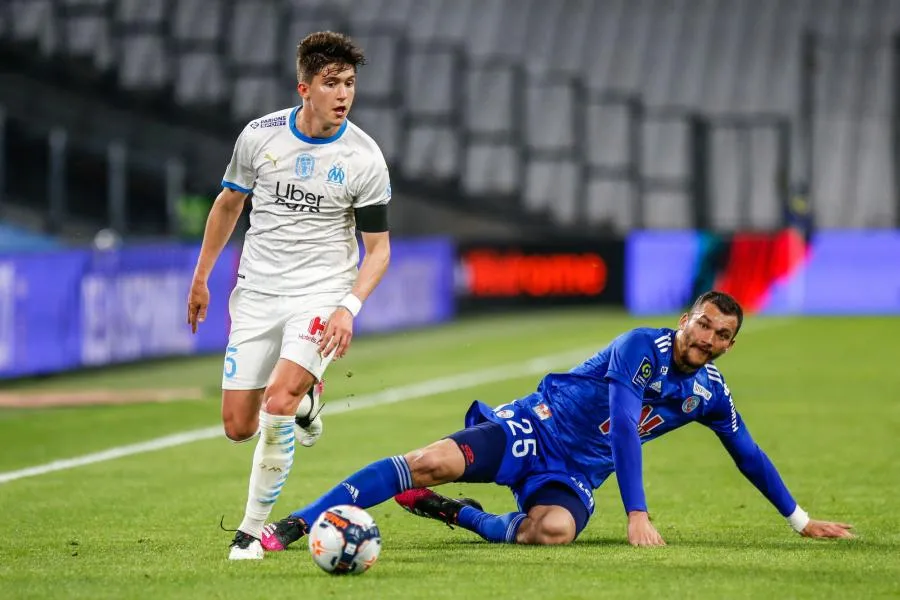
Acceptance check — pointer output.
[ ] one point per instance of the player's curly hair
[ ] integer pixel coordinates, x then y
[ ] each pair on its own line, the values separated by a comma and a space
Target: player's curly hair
724, 302
320, 49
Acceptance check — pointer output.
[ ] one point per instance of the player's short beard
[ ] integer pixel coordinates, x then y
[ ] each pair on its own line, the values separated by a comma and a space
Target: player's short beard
685, 352
685, 360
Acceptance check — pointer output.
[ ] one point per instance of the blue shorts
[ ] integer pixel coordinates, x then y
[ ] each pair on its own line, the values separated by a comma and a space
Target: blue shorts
524, 461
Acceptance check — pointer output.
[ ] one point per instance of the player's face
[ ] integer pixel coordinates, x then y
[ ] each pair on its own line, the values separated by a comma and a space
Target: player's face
704, 335
330, 94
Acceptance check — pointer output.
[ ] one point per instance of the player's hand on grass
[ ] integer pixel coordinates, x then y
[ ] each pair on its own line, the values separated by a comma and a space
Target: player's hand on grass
198, 301
641, 531
338, 333
826, 529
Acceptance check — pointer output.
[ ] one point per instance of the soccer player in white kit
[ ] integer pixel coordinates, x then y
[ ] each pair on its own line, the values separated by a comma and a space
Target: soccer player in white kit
316, 179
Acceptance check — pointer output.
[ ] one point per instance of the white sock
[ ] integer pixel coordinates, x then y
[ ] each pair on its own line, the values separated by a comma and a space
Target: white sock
272, 462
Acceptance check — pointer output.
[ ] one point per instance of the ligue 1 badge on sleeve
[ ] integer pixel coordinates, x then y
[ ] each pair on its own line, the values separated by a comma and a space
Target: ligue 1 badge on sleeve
644, 372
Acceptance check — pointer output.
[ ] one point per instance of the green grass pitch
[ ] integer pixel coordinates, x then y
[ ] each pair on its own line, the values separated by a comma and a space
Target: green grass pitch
820, 395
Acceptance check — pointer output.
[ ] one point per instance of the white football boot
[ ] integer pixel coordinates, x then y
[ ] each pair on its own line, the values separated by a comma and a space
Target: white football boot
308, 425
245, 547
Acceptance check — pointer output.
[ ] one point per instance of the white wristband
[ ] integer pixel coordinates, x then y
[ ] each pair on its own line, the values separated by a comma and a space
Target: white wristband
798, 519
352, 303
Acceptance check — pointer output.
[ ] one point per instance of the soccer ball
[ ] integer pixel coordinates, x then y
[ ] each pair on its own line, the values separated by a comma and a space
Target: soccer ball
344, 539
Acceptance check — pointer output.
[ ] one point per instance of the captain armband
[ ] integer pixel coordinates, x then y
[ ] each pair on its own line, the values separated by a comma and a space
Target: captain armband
372, 219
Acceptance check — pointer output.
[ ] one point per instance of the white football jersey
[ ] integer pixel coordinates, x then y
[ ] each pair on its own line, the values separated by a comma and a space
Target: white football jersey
302, 236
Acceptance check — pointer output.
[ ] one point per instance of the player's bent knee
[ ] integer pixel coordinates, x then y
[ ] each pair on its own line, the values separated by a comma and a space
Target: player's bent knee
441, 462
240, 431
549, 537
555, 534
240, 413
548, 528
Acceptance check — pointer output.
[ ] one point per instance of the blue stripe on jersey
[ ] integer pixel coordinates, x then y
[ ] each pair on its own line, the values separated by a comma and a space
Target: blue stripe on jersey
234, 186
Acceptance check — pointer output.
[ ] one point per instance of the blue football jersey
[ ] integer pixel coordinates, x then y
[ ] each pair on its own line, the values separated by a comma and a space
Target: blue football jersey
572, 408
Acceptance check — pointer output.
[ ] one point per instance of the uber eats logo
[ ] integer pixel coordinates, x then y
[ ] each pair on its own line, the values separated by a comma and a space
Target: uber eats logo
296, 198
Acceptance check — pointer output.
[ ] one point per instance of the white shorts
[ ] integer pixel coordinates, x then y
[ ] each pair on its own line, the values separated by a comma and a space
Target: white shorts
265, 328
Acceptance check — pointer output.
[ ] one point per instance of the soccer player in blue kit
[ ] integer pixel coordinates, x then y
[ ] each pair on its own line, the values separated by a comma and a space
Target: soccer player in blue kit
556, 445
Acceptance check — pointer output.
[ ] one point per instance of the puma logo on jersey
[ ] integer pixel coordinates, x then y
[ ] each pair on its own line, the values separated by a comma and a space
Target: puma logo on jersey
272, 159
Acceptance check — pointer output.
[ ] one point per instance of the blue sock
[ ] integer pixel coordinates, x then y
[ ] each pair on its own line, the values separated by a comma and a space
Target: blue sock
501, 529
367, 487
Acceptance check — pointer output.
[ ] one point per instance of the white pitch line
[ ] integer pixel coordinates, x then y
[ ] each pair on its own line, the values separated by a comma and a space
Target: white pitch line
431, 387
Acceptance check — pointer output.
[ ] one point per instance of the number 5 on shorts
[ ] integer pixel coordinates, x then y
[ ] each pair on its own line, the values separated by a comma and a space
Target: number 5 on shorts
230, 362
526, 445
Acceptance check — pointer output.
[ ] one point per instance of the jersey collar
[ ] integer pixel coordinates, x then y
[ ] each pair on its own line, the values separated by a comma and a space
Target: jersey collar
311, 140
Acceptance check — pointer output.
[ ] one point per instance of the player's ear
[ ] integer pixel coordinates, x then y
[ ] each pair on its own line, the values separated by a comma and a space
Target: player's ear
303, 89
683, 320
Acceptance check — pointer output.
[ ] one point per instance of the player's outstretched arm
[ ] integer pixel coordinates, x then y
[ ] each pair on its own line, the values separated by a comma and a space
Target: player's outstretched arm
752, 462
339, 330
759, 470
223, 216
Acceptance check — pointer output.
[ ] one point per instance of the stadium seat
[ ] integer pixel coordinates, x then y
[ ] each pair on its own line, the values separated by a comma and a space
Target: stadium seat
510, 125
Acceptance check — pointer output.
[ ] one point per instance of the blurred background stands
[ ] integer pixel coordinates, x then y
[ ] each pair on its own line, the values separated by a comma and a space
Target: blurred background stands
498, 117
